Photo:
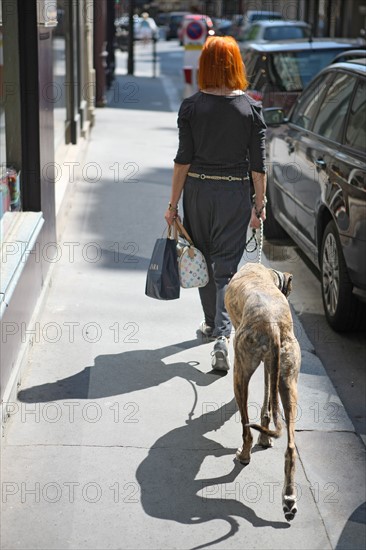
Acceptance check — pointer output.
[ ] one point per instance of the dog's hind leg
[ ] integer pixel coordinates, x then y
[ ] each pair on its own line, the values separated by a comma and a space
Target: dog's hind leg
265, 440
288, 392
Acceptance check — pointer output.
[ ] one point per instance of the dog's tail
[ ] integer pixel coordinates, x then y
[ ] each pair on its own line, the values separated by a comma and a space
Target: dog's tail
274, 383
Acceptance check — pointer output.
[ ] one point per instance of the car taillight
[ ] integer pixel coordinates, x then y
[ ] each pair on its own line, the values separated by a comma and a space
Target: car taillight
254, 94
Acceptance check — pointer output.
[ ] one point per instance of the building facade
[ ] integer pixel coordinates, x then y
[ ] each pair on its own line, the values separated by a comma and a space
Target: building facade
47, 101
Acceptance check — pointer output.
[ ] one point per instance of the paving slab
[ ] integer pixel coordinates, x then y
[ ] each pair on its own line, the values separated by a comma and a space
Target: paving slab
335, 468
183, 492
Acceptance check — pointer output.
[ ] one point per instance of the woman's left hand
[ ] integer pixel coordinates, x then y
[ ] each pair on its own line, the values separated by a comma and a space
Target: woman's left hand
255, 221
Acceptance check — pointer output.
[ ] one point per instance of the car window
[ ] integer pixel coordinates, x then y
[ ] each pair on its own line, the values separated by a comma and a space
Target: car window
285, 33
293, 70
308, 103
333, 109
176, 19
356, 127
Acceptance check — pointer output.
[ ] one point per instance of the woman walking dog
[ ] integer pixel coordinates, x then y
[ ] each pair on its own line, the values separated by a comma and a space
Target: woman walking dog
221, 140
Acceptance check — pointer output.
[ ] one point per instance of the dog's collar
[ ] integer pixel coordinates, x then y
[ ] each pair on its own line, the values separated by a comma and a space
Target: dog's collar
281, 281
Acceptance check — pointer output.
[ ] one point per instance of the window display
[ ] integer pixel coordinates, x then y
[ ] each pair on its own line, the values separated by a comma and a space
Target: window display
9, 178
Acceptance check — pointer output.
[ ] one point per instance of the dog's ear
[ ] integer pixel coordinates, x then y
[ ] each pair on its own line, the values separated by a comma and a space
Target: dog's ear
287, 285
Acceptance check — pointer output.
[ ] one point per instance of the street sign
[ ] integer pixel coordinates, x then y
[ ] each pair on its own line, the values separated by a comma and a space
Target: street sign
194, 36
195, 30
194, 33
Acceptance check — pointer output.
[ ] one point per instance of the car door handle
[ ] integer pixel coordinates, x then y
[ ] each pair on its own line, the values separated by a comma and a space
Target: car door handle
290, 147
320, 163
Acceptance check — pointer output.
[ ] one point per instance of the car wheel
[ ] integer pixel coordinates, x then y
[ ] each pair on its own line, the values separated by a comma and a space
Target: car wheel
342, 309
271, 227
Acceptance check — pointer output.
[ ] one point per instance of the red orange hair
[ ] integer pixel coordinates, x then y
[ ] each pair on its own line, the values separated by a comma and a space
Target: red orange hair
221, 64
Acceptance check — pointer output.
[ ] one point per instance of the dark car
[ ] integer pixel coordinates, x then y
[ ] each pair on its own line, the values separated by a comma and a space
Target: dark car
222, 27
174, 21
162, 19
317, 184
350, 54
279, 71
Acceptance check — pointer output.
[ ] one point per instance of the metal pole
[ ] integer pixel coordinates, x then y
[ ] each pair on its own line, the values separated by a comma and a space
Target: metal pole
154, 40
131, 61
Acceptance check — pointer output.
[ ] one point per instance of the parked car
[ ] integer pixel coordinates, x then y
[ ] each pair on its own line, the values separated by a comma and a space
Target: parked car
174, 20
317, 184
269, 31
222, 27
162, 19
279, 71
260, 15
194, 17
351, 54
251, 16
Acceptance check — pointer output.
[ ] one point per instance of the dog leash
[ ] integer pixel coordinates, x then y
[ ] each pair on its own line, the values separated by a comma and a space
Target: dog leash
257, 245
253, 238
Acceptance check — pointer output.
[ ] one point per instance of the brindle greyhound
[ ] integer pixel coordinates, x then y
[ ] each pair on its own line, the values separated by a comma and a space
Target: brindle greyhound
256, 302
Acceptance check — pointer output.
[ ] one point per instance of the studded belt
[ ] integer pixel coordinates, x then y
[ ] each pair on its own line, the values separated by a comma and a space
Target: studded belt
207, 177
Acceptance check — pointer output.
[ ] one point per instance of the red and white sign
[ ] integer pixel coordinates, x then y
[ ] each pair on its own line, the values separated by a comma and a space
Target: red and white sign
194, 36
194, 32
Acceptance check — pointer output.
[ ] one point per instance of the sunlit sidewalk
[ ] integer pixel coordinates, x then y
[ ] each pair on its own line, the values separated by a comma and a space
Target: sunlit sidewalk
123, 437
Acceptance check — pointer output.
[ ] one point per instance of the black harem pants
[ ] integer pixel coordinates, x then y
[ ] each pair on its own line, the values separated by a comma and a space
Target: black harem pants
217, 215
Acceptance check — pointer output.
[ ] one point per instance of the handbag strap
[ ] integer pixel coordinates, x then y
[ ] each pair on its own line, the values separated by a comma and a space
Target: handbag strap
178, 228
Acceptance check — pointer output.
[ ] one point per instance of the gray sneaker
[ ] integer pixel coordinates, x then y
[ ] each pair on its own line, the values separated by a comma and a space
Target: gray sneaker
220, 354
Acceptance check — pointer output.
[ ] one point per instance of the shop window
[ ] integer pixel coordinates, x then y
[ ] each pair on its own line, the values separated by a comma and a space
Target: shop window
59, 90
9, 178
2, 111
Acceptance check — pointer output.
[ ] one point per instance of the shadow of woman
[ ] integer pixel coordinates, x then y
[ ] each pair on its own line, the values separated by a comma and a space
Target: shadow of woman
121, 373
170, 490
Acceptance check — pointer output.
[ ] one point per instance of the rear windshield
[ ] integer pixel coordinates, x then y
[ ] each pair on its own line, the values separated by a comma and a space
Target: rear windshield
265, 17
292, 71
285, 33
176, 18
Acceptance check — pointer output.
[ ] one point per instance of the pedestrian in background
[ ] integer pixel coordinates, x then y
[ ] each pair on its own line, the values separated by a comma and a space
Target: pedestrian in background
221, 140
148, 28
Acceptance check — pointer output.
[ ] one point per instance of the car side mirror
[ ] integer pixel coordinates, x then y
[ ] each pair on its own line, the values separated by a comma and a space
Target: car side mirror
273, 116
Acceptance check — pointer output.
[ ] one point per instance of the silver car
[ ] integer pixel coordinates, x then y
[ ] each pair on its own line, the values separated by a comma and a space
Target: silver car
272, 31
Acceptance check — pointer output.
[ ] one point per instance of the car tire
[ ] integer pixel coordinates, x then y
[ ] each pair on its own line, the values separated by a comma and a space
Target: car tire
271, 227
342, 309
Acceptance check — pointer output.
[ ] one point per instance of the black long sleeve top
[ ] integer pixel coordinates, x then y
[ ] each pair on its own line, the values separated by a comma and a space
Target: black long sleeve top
221, 135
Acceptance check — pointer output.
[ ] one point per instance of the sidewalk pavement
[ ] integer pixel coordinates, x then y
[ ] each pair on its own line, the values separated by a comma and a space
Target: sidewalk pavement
123, 437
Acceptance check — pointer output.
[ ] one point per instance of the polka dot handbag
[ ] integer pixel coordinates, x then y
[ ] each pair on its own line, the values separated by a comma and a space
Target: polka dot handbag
192, 265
